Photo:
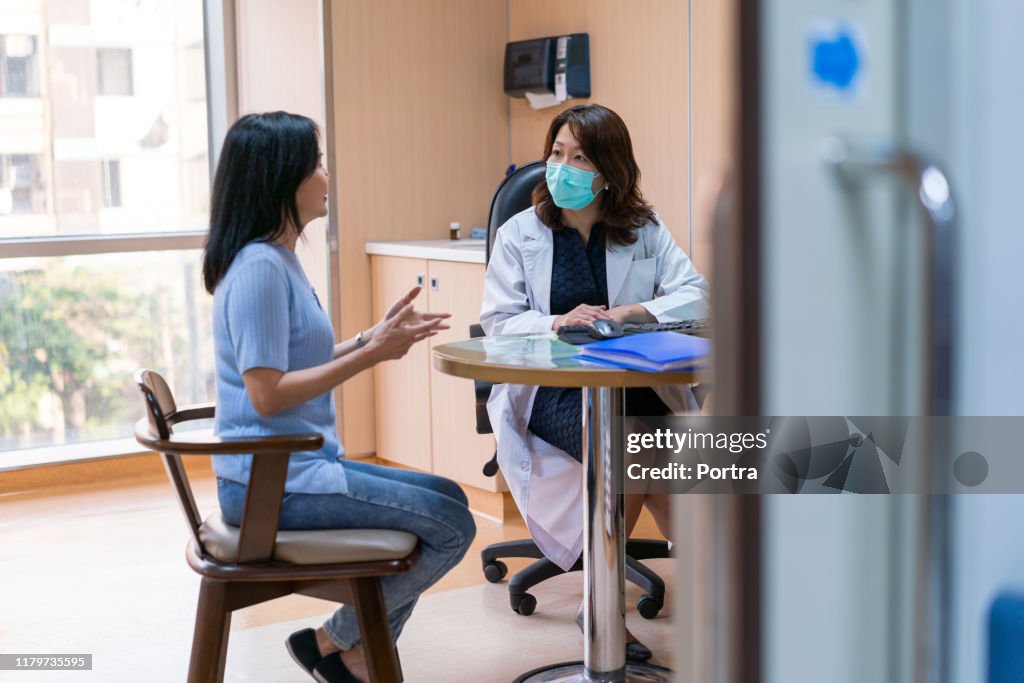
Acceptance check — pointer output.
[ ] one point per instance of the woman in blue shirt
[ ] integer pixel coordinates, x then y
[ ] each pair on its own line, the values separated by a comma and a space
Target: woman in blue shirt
277, 364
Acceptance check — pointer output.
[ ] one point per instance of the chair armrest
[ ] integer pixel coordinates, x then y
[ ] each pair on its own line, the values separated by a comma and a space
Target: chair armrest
202, 443
197, 411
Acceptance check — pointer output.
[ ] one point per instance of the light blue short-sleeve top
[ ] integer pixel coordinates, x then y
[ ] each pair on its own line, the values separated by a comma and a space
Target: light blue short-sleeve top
266, 315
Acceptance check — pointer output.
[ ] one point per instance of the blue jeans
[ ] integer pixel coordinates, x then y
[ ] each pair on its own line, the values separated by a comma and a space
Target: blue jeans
431, 507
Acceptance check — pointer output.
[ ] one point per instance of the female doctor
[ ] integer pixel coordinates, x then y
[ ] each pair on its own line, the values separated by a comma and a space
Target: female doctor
590, 247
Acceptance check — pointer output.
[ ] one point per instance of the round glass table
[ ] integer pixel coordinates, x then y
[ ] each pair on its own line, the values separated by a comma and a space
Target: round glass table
543, 360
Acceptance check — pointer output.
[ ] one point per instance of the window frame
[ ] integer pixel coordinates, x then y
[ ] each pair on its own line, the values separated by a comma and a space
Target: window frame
219, 43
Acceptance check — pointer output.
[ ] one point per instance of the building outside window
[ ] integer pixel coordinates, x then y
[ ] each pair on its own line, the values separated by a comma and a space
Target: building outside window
104, 182
21, 184
113, 71
111, 183
19, 68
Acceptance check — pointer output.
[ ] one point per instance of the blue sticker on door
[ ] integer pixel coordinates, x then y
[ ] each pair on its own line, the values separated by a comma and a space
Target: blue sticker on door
836, 58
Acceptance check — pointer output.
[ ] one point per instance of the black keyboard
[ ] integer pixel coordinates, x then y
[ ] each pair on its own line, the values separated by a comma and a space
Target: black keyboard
575, 334
700, 327
580, 334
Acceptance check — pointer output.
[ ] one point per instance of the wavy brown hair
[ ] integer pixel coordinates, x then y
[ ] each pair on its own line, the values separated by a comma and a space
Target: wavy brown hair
605, 141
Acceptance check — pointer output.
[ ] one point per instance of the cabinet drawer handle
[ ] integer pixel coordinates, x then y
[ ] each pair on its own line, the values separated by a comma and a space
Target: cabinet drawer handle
434, 284
419, 279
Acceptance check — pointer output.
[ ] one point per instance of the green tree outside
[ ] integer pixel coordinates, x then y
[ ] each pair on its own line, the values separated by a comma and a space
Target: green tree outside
72, 334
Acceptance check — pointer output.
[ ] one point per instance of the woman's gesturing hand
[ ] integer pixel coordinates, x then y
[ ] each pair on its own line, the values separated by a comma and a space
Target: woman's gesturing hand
584, 314
417, 316
402, 327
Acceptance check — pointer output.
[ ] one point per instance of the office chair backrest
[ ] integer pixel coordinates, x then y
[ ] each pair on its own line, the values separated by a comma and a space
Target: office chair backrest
511, 197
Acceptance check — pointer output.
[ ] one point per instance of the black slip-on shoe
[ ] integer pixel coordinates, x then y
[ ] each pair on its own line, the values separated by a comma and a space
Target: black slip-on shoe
302, 647
331, 669
635, 650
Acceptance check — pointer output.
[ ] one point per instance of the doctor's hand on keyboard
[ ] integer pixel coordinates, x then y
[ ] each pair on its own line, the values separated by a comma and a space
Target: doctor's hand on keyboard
581, 316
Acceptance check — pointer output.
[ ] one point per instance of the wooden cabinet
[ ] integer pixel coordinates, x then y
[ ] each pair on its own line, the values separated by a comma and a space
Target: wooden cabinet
401, 387
426, 419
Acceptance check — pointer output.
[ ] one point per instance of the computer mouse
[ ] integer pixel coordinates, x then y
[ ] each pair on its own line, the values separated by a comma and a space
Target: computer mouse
604, 329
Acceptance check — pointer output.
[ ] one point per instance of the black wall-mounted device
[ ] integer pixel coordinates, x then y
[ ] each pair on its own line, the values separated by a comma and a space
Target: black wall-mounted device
559, 65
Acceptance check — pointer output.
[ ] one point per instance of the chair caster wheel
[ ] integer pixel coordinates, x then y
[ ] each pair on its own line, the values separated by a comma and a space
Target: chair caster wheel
495, 571
524, 604
648, 606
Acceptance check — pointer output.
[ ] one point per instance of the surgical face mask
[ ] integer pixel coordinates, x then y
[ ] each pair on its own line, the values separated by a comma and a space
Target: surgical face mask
569, 186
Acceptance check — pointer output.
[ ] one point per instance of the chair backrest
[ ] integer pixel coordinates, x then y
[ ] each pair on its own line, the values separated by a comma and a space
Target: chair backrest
269, 470
160, 403
161, 410
513, 195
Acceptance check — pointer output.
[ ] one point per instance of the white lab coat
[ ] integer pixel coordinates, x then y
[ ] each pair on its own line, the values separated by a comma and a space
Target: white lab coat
545, 481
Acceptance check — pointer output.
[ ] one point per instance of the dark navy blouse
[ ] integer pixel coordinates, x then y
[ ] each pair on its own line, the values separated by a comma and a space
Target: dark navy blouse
579, 276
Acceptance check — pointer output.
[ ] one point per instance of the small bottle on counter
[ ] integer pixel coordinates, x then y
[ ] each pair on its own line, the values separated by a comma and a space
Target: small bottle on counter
454, 231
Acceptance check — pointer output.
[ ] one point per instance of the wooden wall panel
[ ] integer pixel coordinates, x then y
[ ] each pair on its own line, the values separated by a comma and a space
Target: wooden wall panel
421, 139
713, 116
713, 119
638, 66
265, 31
423, 132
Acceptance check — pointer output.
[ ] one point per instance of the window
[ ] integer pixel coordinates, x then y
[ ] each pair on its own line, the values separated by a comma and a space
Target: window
19, 73
21, 184
104, 196
75, 328
111, 183
155, 130
113, 71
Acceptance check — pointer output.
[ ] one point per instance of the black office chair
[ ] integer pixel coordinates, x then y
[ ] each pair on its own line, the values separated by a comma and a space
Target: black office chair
511, 197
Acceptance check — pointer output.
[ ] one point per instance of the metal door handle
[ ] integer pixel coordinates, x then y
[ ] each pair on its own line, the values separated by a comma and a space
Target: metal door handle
419, 279
932, 538
434, 284
852, 164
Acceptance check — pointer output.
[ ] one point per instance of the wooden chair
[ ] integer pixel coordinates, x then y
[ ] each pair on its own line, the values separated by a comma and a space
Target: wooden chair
256, 562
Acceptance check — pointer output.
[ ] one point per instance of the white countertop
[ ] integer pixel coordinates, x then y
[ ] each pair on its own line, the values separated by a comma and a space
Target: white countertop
465, 251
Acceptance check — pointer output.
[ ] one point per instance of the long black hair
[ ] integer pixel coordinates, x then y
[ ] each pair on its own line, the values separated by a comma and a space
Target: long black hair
264, 159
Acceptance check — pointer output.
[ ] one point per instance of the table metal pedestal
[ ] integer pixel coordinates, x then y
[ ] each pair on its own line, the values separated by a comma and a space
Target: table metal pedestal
604, 555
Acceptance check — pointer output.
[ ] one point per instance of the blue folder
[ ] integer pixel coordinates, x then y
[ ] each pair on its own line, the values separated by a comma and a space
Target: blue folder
651, 352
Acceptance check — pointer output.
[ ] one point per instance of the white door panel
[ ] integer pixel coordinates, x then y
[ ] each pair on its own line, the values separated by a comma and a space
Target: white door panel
831, 343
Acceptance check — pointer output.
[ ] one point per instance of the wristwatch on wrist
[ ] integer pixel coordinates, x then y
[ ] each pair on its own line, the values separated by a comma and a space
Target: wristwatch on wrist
361, 339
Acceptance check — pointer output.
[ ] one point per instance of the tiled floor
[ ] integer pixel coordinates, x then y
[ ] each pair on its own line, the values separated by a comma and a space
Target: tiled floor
101, 570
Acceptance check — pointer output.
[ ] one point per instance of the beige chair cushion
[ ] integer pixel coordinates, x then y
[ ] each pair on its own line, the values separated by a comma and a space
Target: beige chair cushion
328, 546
